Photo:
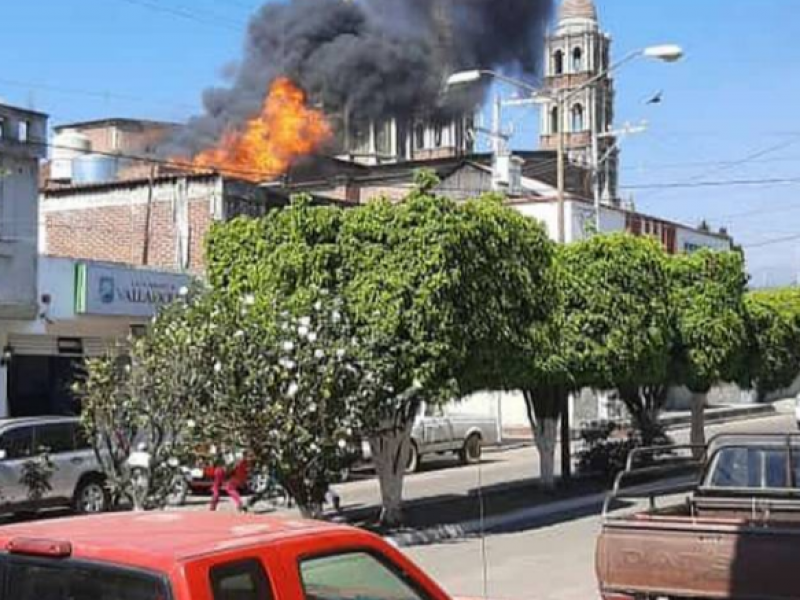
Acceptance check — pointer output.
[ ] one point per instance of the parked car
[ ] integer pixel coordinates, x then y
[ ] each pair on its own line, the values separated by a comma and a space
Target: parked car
77, 480
737, 536
199, 555
437, 431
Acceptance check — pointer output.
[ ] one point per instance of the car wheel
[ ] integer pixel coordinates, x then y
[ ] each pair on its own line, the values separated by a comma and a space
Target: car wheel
91, 497
473, 449
412, 466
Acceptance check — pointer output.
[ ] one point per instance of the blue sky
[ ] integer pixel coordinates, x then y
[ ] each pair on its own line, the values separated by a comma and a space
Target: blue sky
729, 110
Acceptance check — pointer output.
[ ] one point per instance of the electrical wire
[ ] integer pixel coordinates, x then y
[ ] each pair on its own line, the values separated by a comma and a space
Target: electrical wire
705, 184
196, 16
660, 189
99, 94
772, 242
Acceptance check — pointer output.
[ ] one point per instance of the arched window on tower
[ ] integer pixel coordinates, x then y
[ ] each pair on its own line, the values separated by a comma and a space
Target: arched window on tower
577, 60
558, 63
577, 118
554, 124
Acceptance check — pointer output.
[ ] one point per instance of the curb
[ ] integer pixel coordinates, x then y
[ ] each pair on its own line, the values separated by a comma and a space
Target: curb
727, 415
457, 531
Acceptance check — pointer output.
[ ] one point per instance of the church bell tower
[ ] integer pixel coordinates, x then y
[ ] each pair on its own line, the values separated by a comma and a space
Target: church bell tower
577, 51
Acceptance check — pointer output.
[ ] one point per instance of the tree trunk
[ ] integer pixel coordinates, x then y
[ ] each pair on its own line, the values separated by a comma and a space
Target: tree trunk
390, 455
698, 436
544, 409
546, 432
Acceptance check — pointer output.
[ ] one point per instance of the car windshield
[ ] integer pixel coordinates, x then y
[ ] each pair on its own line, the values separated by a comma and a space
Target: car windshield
753, 467
34, 580
353, 576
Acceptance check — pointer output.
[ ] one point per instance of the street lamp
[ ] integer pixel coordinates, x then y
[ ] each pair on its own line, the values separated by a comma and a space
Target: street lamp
665, 53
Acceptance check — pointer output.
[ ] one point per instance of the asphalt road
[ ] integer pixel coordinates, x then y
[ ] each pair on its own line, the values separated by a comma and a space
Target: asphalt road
553, 561
443, 476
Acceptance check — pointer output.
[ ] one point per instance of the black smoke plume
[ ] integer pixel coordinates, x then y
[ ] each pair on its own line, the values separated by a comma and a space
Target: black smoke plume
372, 58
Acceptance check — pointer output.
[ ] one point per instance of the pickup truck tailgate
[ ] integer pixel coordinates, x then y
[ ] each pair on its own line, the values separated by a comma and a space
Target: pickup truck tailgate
682, 557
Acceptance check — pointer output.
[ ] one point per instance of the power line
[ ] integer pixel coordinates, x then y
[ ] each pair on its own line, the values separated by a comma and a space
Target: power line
758, 211
705, 184
196, 16
697, 164
99, 94
773, 242
699, 178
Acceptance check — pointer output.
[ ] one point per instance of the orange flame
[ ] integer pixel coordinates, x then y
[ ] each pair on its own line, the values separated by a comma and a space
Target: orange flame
266, 147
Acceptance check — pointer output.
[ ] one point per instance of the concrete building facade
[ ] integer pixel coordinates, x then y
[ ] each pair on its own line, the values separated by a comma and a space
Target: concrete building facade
23, 135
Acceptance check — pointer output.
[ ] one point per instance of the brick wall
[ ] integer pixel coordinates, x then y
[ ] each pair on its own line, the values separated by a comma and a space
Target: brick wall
110, 223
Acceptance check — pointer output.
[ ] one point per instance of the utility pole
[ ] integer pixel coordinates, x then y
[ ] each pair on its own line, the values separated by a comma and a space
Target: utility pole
561, 179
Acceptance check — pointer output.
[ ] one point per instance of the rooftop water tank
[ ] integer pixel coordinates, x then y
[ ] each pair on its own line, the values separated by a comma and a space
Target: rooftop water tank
93, 168
67, 146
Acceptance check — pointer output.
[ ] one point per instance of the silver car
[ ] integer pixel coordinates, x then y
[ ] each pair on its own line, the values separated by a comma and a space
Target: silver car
76, 481
437, 431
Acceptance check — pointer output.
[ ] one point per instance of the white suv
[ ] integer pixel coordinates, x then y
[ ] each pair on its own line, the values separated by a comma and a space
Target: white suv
77, 480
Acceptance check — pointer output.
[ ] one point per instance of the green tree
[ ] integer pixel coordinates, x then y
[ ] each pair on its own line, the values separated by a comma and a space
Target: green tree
420, 283
147, 401
613, 333
710, 334
287, 388
773, 323
449, 294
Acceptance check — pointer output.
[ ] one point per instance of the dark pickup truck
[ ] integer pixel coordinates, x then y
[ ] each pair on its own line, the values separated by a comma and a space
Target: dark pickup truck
737, 536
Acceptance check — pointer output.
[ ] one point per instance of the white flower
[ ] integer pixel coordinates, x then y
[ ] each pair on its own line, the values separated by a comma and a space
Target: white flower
288, 346
319, 353
342, 444
239, 334
293, 389
312, 337
302, 331
217, 367
312, 407
318, 305
305, 321
191, 424
183, 292
249, 300
314, 448
336, 316
340, 353
287, 364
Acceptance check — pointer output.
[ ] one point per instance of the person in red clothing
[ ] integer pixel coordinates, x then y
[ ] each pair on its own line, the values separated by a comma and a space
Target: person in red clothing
231, 483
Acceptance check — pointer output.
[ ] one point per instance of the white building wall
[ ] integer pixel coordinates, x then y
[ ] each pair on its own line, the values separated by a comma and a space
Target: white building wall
690, 240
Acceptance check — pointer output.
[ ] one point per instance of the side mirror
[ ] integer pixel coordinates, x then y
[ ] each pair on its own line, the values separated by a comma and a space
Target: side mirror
3, 454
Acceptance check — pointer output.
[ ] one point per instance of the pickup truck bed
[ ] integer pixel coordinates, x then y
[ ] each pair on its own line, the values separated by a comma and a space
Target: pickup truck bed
680, 556
737, 536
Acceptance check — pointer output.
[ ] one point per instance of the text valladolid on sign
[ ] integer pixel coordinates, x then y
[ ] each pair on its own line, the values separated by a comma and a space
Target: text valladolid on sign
117, 291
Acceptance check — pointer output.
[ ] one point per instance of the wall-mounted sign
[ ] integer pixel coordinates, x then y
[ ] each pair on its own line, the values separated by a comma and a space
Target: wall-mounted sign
116, 291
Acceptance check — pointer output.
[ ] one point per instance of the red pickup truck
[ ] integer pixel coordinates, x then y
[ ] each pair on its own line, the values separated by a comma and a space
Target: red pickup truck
203, 556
